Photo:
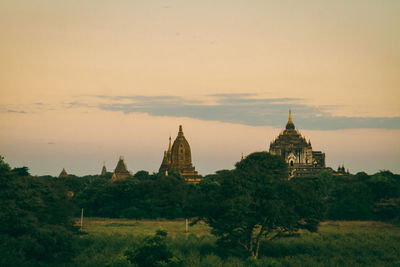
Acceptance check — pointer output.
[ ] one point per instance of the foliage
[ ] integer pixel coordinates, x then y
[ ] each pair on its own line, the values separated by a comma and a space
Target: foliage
23, 171
250, 206
364, 197
4, 167
153, 252
255, 201
143, 196
35, 225
151, 196
336, 243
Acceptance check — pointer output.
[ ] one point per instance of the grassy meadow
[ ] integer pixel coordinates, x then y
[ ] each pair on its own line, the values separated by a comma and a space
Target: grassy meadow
141, 227
337, 243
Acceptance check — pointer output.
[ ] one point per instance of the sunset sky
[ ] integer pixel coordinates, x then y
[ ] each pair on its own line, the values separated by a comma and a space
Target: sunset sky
85, 81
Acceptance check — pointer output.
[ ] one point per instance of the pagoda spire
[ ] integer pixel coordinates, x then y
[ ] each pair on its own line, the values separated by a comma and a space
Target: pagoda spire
121, 171
63, 174
169, 146
180, 133
104, 169
290, 124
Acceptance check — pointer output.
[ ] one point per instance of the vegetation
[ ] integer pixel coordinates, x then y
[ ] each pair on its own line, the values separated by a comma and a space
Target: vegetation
347, 243
152, 252
256, 202
142, 196
248, 207
35, 220
152, 196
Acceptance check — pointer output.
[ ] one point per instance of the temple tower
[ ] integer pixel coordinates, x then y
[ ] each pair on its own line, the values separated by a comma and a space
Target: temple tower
63, 174
296, 151
104, 170
178, 159
121, 171
181, 157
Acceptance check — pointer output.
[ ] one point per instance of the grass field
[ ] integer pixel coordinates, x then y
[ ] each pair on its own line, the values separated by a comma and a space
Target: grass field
337, 243
140, 227
174, 227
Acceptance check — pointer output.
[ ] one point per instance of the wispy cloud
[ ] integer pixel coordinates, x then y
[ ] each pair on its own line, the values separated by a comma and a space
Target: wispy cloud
16, 111
77, 104
245, 109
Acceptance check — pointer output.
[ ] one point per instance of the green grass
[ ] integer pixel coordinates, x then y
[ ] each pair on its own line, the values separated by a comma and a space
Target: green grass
141, 227
337, 243
340, 243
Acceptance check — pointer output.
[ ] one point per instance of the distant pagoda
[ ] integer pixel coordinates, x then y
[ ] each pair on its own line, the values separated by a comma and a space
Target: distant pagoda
297, 152
121, 171
104, 170
178, 159
63, 174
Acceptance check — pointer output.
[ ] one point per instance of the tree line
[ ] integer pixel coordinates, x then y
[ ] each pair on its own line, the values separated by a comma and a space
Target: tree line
150, 196
245, 206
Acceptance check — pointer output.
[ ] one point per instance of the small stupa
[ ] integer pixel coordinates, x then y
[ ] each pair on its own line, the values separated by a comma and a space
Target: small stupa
104, 170
121, 171
63, 174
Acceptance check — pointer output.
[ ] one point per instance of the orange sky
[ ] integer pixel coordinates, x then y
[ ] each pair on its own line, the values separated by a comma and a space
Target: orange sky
342, 57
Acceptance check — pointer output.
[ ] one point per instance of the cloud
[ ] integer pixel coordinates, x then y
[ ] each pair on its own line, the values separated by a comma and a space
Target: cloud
16, 111
247, 109
76, 104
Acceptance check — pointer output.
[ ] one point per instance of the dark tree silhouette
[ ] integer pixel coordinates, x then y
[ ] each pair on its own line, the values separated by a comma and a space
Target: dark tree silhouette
255, 202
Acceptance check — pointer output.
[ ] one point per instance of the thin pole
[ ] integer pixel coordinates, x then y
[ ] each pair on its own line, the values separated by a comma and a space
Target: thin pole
81, 219
187, 228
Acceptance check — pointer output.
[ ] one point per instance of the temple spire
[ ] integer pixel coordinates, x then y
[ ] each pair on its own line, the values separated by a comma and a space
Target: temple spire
290, 124
180, 133
121, 171
178, 159
63, 174
104, 169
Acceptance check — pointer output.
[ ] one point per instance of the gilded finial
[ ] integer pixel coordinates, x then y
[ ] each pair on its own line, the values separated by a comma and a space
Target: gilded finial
180, 130
169, 146
290, 124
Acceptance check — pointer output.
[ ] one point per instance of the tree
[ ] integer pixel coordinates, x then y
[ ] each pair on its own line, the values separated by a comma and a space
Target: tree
4, 167
153, 252
142, 175
22, 171
35, 220
256, 202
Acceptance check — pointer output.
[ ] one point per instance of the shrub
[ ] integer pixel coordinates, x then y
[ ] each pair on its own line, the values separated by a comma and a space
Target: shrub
153, 252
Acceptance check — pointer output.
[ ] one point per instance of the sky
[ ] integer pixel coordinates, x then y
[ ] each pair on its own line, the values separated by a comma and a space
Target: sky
84, 82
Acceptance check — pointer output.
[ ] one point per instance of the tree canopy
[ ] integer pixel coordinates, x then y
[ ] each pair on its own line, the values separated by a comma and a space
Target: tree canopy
255, 201
35, 220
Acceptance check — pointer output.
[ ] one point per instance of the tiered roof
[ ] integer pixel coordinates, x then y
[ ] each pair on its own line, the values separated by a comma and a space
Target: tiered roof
63, 174
121, 171
178, 159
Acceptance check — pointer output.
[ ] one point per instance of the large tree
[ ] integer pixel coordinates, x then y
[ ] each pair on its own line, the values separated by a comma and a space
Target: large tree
256, 201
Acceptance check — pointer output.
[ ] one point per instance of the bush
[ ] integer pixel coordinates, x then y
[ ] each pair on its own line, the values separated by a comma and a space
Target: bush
153, 252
